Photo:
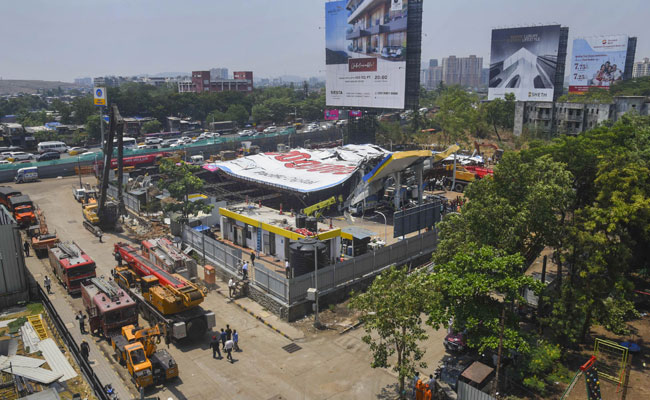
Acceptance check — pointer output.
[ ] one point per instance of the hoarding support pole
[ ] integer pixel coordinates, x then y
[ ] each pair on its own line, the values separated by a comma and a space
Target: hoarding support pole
101, 125
316, 321
453, 179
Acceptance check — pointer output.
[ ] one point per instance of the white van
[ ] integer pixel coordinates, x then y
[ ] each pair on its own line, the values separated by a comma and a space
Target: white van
45, 147
29, 174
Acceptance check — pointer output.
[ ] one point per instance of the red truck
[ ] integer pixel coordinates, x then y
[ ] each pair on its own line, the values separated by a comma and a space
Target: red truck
71, 265
108, 306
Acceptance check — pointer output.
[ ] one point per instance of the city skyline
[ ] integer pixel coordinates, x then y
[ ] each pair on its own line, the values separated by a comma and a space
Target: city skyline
74, 38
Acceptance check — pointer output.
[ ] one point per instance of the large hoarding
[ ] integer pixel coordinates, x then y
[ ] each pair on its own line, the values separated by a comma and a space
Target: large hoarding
597, 62
523, 62
365, 53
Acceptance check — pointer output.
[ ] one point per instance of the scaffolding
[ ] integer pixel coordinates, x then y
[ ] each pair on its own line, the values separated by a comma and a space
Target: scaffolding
413, 54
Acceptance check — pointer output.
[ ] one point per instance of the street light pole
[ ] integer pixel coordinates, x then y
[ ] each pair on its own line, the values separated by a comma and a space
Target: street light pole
79, 168
385, 227
316, 321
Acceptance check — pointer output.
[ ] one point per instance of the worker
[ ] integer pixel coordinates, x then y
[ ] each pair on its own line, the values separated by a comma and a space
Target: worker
82, 322
235, 339
229, 345
228, 332
214, 345
244, 270
416, 379
252, 257
287, 269
428, 392
85, 350
222, 337
431, 382
48, 284
231, 287
26, 248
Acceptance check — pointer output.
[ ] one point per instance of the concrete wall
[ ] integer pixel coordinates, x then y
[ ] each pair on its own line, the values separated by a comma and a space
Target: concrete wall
14, 283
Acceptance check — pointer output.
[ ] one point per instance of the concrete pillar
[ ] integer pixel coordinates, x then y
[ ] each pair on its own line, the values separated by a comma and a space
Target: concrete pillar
418, 170
398, 189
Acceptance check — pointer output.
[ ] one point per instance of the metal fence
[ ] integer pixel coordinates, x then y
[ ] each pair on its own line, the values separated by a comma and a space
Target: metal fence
271, 282
467, 392
131, 202
215, 253
363, 266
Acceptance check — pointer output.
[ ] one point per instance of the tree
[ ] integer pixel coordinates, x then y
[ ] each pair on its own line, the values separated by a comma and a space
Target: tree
475, 287
391, 311
261, 113
237, 113
501, 113
181, 182
93, 128
152, 126
457, 115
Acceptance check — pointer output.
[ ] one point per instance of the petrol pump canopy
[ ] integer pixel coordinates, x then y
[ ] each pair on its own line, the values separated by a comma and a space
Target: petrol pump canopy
303, 170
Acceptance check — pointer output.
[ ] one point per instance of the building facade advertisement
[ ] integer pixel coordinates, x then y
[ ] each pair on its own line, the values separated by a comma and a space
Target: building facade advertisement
597, 62
355, 113
365, 53
301, 170
523, 61
331, 114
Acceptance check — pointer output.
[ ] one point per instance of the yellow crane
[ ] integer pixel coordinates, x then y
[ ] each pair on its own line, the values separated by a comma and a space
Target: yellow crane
318, 208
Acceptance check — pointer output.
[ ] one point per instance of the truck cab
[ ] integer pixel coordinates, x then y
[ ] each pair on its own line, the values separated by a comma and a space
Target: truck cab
23, 210
138, 365
29, 174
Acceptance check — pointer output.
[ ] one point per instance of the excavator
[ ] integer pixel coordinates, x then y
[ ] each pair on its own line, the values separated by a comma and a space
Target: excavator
162, 297
136, 349
41, 238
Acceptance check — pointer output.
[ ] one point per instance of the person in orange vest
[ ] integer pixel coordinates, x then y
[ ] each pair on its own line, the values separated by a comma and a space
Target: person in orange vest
419, 390
428, 392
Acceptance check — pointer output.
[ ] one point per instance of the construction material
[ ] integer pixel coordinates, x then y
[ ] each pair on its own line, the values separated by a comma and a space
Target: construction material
8, 346
30, 338
38, 325
40, 375
20, 361
56, 360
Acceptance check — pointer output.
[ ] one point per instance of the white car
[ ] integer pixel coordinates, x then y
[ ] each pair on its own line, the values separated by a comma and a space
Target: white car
169, 142
153, 140
246, 132
16, 156
270, 129
186, 140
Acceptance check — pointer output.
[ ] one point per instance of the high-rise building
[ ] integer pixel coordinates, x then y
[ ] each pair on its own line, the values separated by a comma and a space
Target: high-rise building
464, 71
433, 62
451, 70
641, 68
485, 76
219, 73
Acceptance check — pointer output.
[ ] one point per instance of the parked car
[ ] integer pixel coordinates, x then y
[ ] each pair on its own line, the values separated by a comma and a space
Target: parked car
169, 142
455, 341
50, 155
16, 156
77, 150
79, 194
270, 129
153, 140
246, 132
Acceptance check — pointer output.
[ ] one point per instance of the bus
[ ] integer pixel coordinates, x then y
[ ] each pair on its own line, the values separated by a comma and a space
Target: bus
127, 143
45, 147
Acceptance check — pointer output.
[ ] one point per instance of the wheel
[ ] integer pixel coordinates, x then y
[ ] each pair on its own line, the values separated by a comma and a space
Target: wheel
459, 188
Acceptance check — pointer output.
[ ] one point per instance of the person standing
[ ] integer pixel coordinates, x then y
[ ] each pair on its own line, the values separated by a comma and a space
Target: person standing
48, 284
222, 337
26, 248
229, 345
244, 270
85, 350
82, 322
431, 383
287, 269
214, 345
253, 257
235, 339
228, 332
231, 287
416, 379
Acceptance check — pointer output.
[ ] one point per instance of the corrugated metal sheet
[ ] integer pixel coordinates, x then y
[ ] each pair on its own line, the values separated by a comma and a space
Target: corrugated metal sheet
467, 392
47, 394
13, 278
41, 375
20, 361
56, 360
30, 338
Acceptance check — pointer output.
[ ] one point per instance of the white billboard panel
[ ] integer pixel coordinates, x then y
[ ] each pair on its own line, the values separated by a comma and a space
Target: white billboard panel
365, 53
523, 62
597, 62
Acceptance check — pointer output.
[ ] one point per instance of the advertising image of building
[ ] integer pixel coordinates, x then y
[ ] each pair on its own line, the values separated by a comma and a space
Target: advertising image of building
202, 81
219, 73
641, 68
528, 62
366, 52
599, 62
464, 71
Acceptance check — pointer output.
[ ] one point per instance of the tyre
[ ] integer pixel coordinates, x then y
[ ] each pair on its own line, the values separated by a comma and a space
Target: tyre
459, 188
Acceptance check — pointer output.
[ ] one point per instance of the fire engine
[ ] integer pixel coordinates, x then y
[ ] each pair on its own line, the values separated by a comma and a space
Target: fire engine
71, 265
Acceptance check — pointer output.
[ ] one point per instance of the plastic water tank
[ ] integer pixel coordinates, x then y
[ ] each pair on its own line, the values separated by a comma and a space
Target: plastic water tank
302, 256
300, 220
311, 224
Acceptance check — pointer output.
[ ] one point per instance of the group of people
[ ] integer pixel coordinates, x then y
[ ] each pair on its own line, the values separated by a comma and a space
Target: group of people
423, 389
607, 74
228, 340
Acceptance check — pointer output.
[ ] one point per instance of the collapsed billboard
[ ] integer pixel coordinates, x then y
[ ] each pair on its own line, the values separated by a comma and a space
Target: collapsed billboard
597, 62
523, 62
365, 53
301, 170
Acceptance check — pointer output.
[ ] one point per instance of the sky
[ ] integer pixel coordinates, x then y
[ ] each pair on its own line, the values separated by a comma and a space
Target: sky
67, 39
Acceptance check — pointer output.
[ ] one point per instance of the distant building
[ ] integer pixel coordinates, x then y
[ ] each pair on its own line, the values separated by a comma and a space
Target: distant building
464, 71
433, 62
485, 76
202, 81
641, 68
87, 82
574, 118
219, 73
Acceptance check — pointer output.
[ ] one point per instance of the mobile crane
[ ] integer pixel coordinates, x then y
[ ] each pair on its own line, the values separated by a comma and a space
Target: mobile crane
162, 297
136, 349
318, 208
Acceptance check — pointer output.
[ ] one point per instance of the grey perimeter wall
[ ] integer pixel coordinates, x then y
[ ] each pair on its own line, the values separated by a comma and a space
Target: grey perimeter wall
14, 282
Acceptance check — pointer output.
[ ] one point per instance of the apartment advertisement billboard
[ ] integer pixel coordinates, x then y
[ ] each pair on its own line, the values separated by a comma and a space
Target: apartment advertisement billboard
331, 114
597, 62
523, 62
365, 53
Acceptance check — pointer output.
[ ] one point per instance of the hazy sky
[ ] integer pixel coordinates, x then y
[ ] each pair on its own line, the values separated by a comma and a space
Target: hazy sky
66, 39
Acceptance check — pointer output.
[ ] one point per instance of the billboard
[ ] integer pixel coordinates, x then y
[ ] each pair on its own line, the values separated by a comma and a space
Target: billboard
355, 113
524, 61
365, 53
331, 114
597, 62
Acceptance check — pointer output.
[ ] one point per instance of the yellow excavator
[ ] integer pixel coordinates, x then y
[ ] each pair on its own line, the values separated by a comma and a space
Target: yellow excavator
136, 349
318, 208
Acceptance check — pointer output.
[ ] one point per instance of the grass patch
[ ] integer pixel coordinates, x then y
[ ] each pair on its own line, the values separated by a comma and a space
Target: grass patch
15, 325
34, 308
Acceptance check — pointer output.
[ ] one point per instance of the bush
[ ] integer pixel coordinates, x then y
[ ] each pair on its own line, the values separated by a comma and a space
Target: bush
543, 358
535, 384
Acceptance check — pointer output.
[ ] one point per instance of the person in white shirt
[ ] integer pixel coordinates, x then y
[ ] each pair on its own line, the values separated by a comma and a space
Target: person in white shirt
229, 346
287, 268
231, 287
244, 270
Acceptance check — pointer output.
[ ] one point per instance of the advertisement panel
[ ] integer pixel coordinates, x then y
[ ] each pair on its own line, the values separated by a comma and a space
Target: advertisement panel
597, 62
365, 53
354, 113
331, 114
523, 61
301, 170
99, 95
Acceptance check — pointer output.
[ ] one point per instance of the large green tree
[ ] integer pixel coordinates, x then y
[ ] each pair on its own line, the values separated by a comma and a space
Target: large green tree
500, 113
181, 181
458, 114
391, 310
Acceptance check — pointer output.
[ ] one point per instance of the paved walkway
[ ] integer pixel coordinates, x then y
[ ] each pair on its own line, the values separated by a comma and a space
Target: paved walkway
66, 307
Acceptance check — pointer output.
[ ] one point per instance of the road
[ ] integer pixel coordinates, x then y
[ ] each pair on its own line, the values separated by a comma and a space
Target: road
329, 365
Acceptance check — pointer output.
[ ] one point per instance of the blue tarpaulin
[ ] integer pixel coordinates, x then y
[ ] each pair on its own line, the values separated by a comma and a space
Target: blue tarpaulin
201, 228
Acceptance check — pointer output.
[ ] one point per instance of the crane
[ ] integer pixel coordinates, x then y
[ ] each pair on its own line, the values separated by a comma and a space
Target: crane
318, 208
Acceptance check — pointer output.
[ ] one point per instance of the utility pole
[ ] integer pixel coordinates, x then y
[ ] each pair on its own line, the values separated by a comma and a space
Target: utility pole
316, 320
453, 179
120, 159
101, 125
496, 378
